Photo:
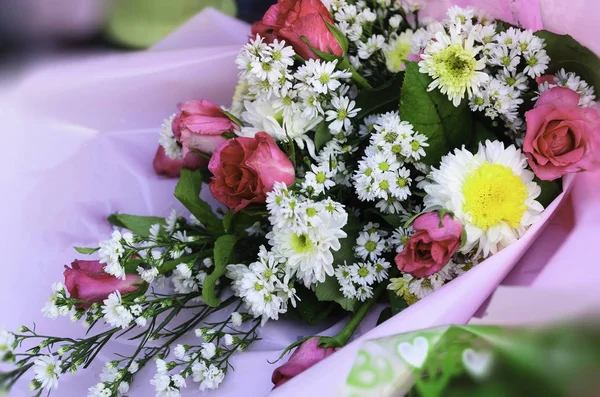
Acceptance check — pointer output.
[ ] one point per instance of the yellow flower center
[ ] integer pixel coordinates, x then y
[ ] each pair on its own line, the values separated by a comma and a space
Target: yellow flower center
301, 243
494, 194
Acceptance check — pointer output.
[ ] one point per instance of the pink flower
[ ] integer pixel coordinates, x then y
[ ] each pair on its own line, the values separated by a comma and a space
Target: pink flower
245, 170
561, 137
87, 281
200, 126
166, 166
432, 246
306, 355
290, 20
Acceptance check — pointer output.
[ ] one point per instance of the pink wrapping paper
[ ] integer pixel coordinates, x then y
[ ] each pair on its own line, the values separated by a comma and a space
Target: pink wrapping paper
89, 131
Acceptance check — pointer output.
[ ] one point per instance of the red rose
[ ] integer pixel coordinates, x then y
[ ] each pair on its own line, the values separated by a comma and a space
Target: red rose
431, 247
290, 20
245, 170
88, 282
166, 166
561, 137
306, 355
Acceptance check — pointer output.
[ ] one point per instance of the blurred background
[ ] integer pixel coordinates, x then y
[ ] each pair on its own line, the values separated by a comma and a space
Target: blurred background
36, 30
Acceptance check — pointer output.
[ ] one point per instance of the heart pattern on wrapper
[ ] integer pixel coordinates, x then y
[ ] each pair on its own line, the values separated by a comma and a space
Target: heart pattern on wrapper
477, 363
414, 353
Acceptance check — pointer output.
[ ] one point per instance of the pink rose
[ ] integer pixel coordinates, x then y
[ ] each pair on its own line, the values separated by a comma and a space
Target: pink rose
561, 137
245, 170
306, 355
87, 281
431, 247
290, 20
166, 166
200, 126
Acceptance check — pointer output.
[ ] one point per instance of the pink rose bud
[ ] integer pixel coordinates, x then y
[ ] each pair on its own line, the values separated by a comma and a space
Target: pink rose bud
166, 166
561, 137
305, 356
200, 126
431, 247
87, 281
245, 170
290, 20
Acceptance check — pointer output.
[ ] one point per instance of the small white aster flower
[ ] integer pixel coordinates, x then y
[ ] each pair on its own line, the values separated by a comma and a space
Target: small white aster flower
47, 372
344, 110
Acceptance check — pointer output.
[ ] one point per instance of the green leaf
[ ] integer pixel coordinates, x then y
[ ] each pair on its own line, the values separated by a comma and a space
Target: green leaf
139, 225
339, 36
432, 114
397, 303
565, 52
481, 133
326, 56
322, 135
550, 191
381, 99
329, 291
309, 309
86, 251
223, 253
228, 220
188, 192
233, 118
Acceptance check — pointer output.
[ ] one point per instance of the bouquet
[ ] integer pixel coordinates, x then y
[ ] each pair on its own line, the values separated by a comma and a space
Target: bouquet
369, 156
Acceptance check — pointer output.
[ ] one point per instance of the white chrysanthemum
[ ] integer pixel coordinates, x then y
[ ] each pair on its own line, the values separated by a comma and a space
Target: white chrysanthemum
308, 254
47, 372
491, 192
236, 319
451, 60
167, 140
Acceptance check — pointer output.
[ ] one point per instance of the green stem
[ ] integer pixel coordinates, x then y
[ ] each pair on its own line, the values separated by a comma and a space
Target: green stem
342, 338
356, 77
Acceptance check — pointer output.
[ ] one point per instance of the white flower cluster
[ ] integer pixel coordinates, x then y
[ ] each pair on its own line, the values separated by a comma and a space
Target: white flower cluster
467, 56
413, 289
264, 286
329, 170
189, 277
379, 33
357, 280
305, 232
572, 81
286, 103
112, 375
112, 250
383, 174
172, 147
58, 304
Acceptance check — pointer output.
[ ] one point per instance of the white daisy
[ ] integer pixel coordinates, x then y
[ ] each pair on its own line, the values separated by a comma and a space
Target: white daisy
491, 192
343, 110
47, 371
